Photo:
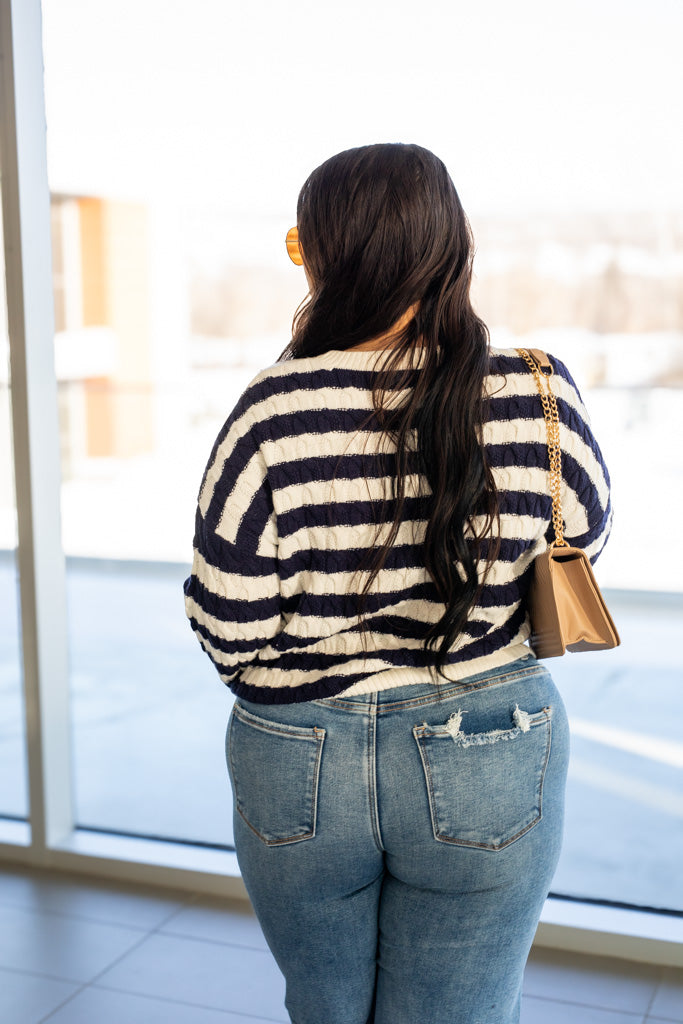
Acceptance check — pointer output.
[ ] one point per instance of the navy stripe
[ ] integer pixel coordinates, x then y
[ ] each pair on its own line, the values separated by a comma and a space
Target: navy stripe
299, 378
233, 608
234, 646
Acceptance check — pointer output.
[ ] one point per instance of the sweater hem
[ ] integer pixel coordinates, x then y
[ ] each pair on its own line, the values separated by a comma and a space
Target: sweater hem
408, 676
387, 679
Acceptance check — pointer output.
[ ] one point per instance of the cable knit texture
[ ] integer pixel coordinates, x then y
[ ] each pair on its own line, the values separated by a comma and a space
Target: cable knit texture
290, 501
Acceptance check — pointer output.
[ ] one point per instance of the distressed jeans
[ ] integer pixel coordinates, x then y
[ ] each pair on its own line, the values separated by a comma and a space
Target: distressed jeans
398, 846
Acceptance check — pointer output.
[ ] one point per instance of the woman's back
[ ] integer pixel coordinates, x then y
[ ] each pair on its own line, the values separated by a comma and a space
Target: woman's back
292, 499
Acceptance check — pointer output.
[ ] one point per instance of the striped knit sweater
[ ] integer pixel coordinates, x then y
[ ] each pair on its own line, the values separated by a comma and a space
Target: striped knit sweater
271, 596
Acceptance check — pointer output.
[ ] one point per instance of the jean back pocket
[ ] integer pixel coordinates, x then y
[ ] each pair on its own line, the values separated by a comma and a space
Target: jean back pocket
274, 770
485, 789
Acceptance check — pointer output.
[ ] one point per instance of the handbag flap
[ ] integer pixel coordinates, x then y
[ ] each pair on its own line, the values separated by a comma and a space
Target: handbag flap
585, 621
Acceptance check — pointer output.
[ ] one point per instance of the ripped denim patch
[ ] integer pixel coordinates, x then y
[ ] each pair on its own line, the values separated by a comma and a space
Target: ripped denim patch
485, 789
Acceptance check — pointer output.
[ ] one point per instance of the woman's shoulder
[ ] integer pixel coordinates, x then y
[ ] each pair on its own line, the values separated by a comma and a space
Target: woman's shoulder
508, 364
512, 389
510, 359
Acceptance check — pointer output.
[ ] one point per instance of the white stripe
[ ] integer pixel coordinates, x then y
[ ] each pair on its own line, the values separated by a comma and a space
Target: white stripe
231, 631
410, 532
233, 585
236, 431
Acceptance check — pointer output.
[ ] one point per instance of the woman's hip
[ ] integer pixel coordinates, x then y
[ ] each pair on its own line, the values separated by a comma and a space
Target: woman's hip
476, 766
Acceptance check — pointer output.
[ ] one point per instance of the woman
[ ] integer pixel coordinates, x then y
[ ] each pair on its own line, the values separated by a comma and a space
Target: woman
365, 535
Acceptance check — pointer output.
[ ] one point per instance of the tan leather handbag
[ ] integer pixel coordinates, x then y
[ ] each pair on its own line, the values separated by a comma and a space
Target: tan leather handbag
566, 608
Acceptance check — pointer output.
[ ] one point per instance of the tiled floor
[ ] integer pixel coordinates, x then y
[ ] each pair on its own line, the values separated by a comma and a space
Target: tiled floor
76, 951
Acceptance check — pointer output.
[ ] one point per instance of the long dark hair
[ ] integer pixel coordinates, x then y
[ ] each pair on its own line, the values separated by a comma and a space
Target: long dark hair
382, 228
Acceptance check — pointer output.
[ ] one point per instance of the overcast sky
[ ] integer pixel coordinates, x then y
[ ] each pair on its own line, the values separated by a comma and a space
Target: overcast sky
532, 104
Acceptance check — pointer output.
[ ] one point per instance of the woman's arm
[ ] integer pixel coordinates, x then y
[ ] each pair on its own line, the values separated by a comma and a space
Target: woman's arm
586, 497
232, 597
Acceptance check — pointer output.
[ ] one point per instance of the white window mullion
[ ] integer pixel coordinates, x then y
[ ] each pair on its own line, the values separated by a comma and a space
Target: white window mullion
30, 317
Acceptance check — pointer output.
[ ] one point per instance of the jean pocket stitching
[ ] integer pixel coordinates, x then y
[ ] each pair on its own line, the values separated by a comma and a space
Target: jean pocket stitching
424, 732
313, 735
295, 731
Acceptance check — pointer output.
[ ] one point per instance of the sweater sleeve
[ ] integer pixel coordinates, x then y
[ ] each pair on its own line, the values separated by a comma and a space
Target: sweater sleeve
586, 495
232, 597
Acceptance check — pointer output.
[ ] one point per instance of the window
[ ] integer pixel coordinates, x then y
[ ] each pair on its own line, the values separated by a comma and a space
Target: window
170, 195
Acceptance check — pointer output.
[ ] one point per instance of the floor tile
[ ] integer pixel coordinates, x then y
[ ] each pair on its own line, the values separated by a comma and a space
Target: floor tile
668, 1000
603, 982
547, 1011
61, 947
94, 1005
206, 962
218, 921
134, 906
208, 974
26, 998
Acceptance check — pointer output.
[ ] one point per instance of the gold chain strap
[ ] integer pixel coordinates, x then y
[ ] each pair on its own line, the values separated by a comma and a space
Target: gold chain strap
552, 424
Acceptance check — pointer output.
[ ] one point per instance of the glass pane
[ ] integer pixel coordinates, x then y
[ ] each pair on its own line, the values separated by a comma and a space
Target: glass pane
624, 819
134, 420
598, 291
13, 772
173, 288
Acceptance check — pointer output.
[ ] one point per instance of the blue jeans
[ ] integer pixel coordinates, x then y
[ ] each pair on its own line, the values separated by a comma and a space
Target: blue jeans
398, 846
